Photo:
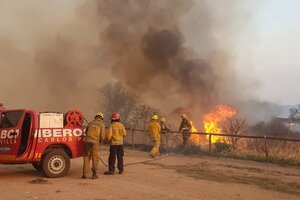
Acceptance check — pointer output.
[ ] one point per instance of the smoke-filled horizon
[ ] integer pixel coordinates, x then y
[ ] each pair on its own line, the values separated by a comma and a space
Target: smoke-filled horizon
57, 59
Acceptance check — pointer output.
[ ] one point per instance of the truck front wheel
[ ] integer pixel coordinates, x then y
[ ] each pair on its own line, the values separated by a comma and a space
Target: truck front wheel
56, 163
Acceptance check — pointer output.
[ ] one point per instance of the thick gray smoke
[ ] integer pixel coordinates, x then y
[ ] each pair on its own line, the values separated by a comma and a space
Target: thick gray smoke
170, 52
146, 43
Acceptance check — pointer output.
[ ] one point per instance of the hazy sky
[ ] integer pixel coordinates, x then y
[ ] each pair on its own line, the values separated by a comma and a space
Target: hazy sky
263, 39
271, 47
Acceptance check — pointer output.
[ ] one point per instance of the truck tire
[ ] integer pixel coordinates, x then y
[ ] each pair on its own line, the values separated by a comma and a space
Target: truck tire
37, 166
56, 163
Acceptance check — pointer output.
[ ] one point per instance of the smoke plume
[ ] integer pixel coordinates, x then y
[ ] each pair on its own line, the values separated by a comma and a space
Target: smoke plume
170, 52
146, 42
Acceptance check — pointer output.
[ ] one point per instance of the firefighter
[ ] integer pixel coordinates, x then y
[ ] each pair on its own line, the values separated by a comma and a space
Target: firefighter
155, 129
116, 134
94, 135
164, 127
164, 130
185, 129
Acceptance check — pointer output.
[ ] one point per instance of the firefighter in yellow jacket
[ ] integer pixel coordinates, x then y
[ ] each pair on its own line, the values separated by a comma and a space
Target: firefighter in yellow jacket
116, 134
94, 135
155, 129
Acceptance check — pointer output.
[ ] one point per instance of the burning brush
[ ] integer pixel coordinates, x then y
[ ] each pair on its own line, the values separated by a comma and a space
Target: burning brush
212, 123
213, 120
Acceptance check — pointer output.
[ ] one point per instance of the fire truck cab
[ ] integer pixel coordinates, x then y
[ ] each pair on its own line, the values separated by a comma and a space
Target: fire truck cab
46, 140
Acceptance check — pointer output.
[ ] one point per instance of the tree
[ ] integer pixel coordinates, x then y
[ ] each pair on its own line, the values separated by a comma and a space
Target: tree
275, 127
235, 126
293, 113
141, 116
116, 98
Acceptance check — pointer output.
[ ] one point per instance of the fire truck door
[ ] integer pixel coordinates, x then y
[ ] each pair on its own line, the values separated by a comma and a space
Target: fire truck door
10, 130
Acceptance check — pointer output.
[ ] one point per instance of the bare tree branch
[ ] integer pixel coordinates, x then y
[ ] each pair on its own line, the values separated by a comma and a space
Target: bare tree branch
116, 98
235, 126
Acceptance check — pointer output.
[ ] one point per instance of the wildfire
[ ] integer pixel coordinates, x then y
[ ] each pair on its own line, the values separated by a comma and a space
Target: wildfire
195, 139
212, 121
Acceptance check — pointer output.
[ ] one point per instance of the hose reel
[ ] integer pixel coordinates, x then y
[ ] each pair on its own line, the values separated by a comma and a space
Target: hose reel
74, 118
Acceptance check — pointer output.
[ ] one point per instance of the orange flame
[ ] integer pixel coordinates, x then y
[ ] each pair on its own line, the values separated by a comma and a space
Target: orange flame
195, 139
213, 120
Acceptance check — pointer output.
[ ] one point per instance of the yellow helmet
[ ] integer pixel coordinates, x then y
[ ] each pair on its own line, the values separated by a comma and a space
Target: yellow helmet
154, 117
184, 116
163, 119
99, 114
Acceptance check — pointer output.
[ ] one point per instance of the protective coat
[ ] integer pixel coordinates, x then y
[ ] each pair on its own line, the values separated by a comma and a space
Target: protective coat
94, 135
95, 131
185, 125
155, 129
164, 128
116, 133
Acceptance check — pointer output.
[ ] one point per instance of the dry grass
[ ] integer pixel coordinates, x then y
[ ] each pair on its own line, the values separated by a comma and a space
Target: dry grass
280, 152
283, 153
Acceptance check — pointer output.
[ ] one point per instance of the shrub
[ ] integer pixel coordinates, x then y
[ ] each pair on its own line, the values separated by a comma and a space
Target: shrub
222, 148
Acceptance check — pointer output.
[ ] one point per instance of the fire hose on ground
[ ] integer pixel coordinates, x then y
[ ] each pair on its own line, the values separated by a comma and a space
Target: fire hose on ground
141, 162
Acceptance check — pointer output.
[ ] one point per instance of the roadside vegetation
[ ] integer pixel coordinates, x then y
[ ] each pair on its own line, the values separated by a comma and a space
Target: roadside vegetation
136, 114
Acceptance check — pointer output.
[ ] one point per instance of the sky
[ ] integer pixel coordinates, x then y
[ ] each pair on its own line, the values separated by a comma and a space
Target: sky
271, 49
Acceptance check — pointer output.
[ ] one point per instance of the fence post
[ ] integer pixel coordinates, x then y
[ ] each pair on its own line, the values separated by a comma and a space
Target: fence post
209, 144
266, 148
132, 138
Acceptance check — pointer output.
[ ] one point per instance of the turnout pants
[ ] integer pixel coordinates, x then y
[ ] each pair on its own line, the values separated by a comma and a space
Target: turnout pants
90, 152
186, 138
164, 140
116, 151
155, 148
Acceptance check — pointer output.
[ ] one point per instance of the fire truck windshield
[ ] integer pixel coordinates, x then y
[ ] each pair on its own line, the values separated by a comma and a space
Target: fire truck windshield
10, 119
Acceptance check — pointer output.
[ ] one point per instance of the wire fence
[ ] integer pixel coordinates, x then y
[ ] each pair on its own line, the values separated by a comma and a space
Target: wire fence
264, 148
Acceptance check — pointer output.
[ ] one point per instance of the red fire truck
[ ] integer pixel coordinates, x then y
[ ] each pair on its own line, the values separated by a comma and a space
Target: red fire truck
46, 140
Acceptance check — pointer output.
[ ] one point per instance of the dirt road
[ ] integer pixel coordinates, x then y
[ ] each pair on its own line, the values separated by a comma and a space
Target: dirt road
173, 177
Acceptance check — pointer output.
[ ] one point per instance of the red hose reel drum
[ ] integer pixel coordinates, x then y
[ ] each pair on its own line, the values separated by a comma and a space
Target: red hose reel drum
74, 118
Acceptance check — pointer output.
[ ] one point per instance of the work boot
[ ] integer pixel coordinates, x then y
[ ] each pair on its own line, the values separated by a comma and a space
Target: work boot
95, 176
151, 155
109, 173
